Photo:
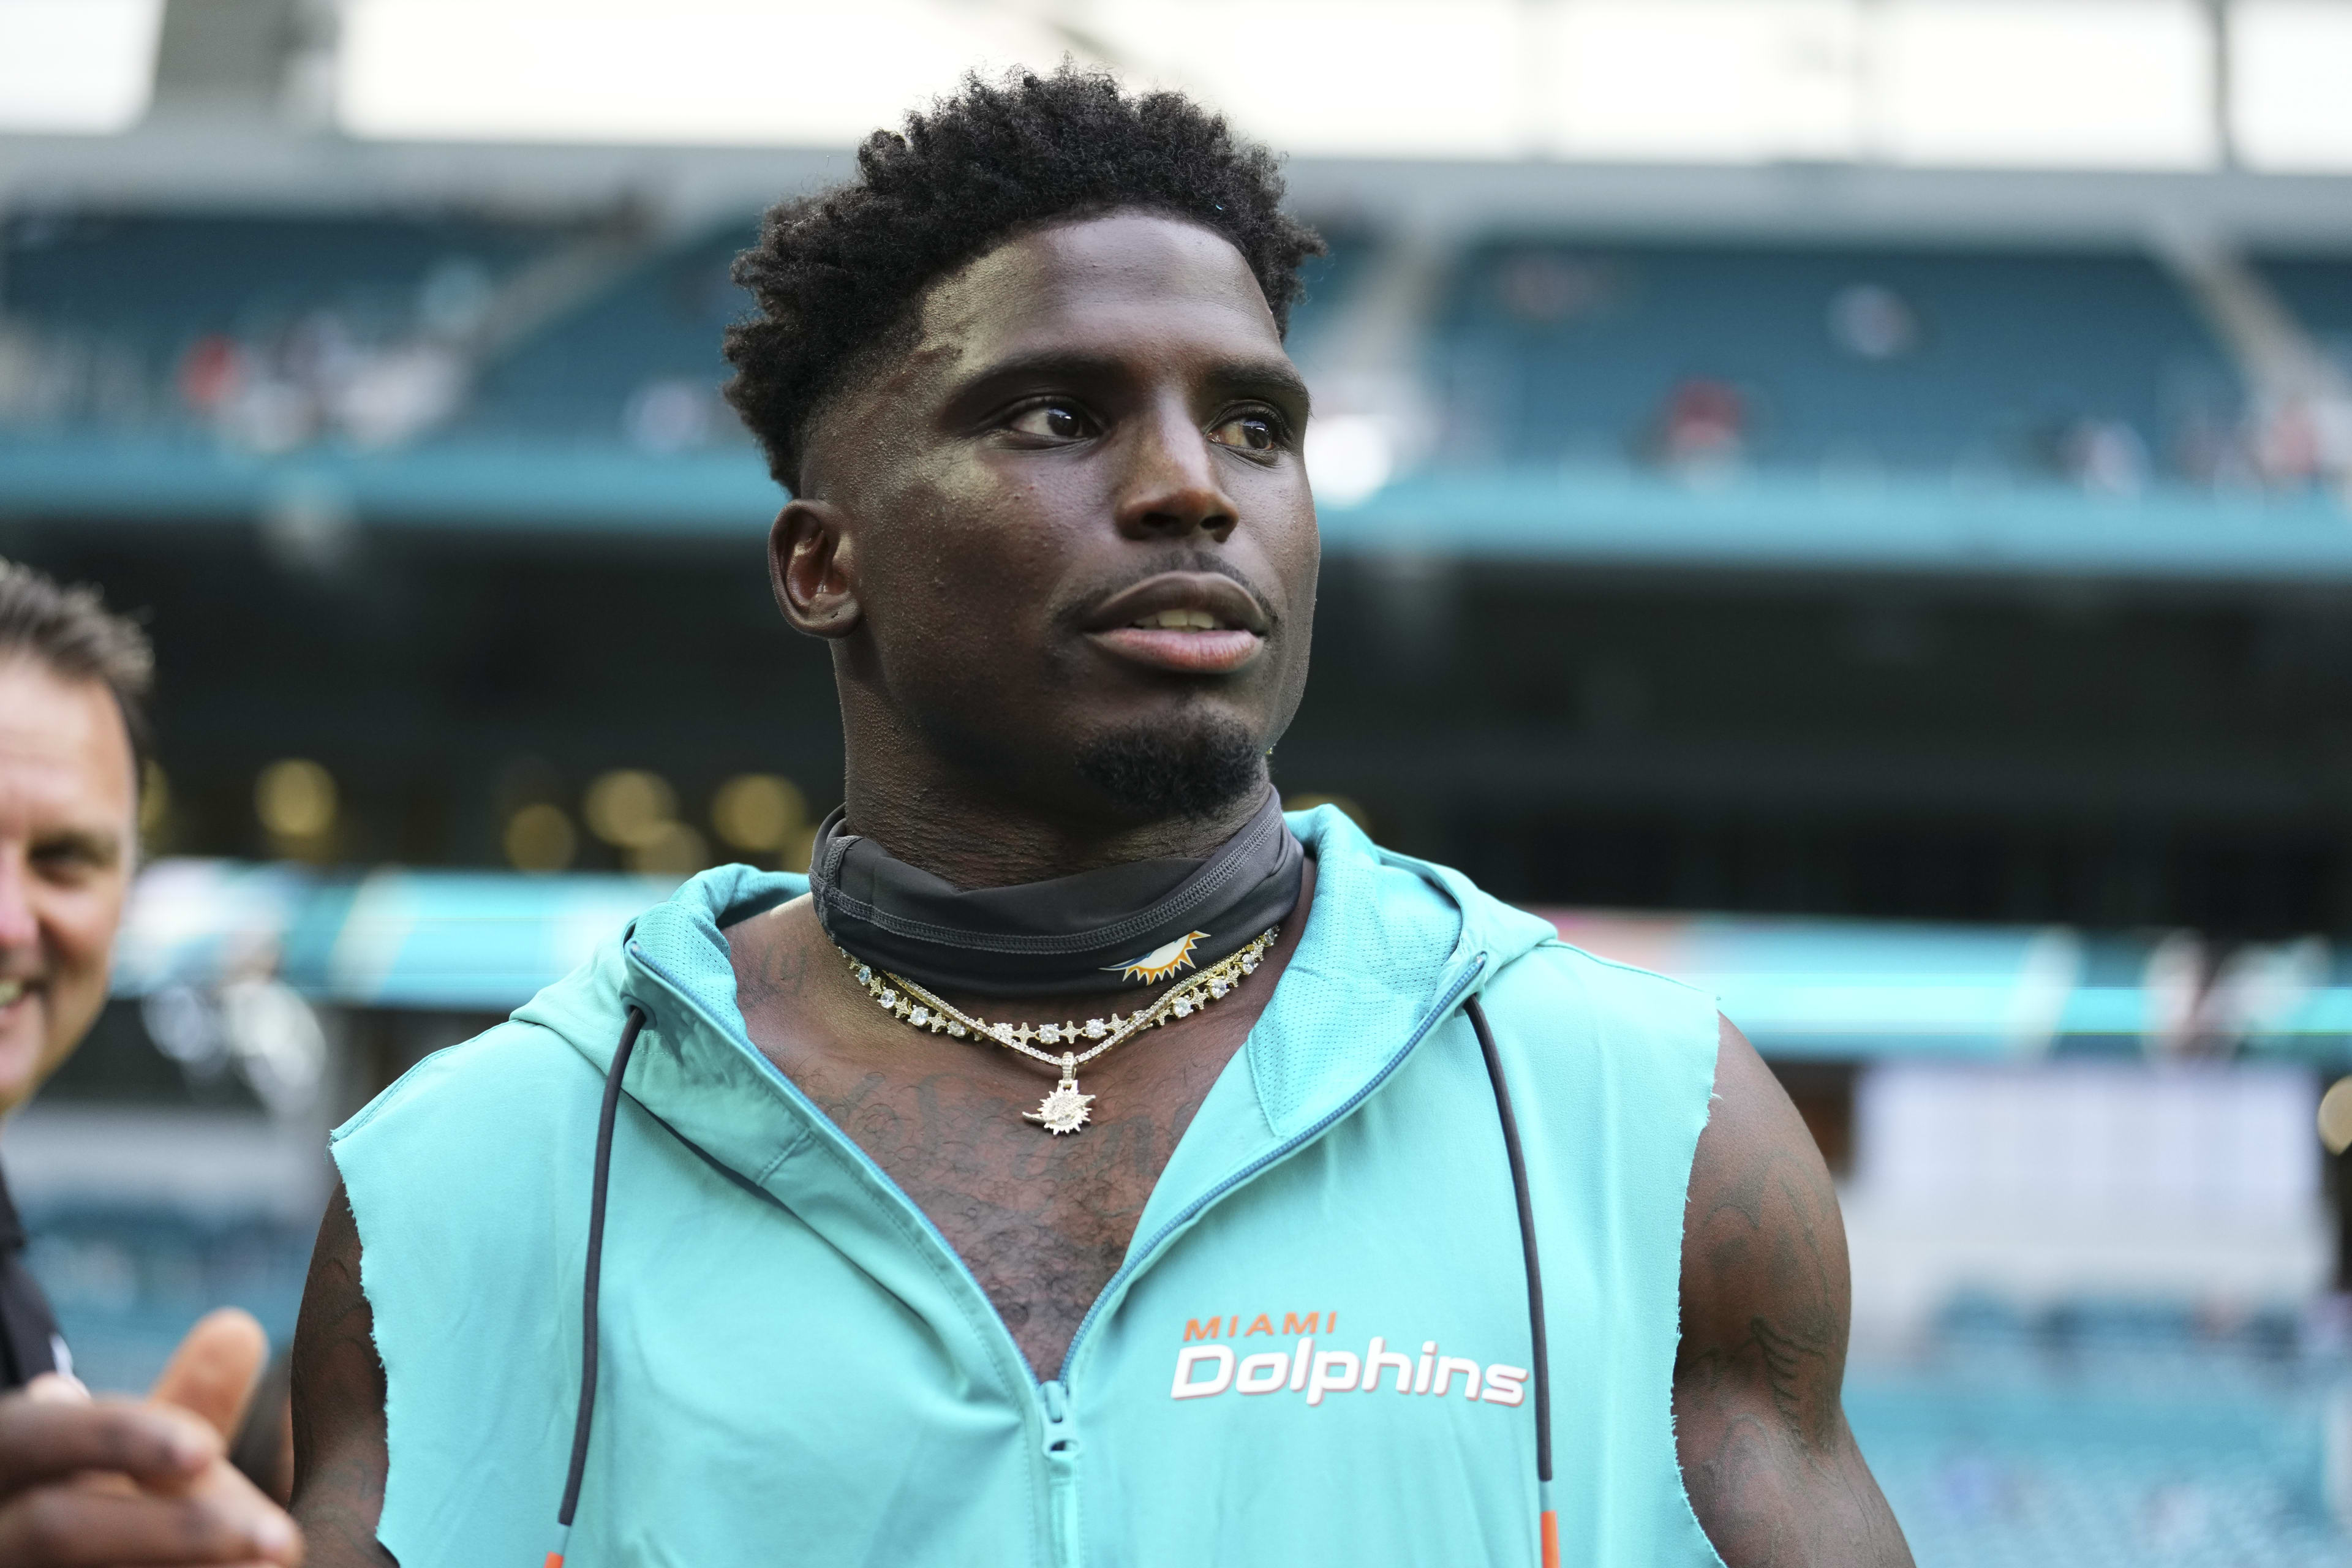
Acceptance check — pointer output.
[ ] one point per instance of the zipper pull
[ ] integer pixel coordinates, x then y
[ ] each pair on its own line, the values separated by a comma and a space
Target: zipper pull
1062, 1472
1057, 1414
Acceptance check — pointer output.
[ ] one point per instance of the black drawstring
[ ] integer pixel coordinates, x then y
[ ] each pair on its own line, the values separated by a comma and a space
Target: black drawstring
1540, 1373
604, 1120
1542, 1369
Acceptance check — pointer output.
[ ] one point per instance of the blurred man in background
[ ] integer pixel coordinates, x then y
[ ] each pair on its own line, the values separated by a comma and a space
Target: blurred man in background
84, 1480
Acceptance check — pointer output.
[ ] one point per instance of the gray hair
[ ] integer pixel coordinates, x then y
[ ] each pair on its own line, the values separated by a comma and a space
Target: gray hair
72, 632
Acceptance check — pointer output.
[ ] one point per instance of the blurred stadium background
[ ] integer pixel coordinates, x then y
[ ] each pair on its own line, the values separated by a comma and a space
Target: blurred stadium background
1843, 501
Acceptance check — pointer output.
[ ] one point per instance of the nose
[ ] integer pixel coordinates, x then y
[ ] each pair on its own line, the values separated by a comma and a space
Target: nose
1171, 487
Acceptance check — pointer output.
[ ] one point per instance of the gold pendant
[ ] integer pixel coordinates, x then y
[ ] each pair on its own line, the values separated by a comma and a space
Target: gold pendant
1065, 1109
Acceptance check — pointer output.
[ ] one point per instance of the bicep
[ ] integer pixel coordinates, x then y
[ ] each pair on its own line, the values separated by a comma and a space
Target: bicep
340, 1451
1771, 1469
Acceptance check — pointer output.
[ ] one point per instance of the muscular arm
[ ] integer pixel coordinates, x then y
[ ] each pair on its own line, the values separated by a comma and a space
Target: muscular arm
339, 1456
1772, 1469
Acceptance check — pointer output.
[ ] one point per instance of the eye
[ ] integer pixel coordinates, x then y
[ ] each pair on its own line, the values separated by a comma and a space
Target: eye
1052, 422
69, 859
1249, 432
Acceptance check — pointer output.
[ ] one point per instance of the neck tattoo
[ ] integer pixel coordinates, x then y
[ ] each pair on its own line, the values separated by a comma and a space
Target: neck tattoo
1065, 1109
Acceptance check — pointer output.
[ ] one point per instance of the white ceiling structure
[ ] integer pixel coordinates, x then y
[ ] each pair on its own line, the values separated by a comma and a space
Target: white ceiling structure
1954, 83
2071, 84
76, 66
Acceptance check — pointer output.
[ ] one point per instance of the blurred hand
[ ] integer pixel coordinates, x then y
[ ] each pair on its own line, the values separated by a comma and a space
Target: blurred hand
108, 1483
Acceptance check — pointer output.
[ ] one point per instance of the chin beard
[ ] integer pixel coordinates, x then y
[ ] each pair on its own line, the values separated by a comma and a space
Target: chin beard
1192, 769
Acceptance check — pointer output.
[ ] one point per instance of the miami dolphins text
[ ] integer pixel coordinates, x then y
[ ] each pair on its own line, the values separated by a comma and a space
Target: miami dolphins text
1206, 1370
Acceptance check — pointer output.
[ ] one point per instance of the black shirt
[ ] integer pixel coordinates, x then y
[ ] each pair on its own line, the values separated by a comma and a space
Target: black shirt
29, 1342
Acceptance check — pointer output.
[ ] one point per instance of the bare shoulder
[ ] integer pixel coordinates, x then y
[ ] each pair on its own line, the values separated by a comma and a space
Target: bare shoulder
340, 1451
1772, 1469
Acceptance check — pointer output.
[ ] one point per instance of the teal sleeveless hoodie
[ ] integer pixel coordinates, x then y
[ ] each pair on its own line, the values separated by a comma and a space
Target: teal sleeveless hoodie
797, 1369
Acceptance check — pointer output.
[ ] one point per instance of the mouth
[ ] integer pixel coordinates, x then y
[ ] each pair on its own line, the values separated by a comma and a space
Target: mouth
1191, 623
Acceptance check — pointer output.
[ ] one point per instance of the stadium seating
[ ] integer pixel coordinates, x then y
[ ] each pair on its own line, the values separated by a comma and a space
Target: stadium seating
116, 311
161, 280
1324, 281
1857, 358
638, 362
1542, 350
1776, 407
155, 322
2105, 1432
2318, 291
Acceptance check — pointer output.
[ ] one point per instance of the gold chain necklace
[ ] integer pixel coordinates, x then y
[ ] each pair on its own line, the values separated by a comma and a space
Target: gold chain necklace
1065, 1109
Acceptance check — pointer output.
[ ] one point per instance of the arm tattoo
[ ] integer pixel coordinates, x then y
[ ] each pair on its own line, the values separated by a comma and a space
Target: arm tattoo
340, 1451
1792, 1370
1770, 1466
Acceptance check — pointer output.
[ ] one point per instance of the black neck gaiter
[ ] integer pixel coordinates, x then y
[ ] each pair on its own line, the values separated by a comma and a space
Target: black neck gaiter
1126, 925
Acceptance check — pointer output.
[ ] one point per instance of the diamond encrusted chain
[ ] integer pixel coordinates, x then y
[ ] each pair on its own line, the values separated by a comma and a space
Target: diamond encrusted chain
1065, 1109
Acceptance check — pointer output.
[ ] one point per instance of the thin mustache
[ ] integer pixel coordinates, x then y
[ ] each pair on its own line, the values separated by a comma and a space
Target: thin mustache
1073, 615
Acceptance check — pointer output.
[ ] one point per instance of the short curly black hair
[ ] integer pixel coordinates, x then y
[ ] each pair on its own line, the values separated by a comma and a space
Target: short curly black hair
836, 276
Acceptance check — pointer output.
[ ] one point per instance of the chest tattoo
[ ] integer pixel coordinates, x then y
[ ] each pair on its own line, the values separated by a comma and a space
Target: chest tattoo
1043, 1224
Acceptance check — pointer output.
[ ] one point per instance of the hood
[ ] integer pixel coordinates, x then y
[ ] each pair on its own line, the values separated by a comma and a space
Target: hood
1389, 940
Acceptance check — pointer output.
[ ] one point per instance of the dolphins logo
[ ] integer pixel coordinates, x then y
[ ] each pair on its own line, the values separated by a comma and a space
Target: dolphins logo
1161, 961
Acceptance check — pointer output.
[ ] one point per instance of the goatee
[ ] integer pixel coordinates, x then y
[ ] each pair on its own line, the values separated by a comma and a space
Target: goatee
1195, 768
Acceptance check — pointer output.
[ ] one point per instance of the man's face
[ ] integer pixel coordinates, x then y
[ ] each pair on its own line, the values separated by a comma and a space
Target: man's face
68, 821
1078, 524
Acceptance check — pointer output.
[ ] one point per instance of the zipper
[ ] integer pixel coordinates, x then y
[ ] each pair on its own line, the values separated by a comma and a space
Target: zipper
1137, 1257
1059, 1437
1061, 1447
1049, 1400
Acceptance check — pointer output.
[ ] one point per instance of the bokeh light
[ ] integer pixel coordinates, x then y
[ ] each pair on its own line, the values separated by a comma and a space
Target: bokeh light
757, 812
540, 838
295, 799
629, 808
2336, 1116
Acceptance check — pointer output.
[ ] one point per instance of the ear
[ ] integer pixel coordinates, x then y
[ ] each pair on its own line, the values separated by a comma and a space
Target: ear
812, 565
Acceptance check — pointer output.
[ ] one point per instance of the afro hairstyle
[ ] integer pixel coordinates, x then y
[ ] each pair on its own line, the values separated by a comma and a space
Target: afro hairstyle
836, 276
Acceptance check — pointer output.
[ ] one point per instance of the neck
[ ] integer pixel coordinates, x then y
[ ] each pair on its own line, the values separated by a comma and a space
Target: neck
974, 839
